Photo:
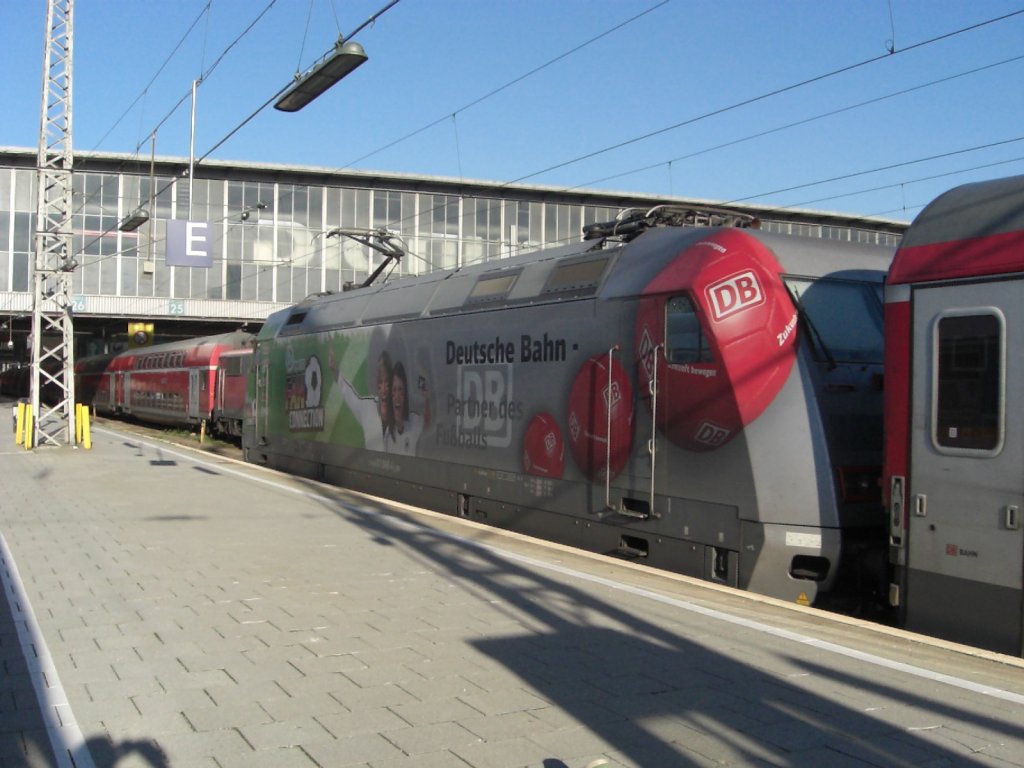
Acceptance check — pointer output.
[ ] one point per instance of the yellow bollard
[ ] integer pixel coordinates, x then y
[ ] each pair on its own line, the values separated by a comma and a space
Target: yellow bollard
202, 431
28, 427
19, 424
78, 422
86, 436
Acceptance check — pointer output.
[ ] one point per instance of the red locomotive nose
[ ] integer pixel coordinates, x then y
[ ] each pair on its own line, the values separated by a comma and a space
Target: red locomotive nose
723, 328
598, 401
543, 447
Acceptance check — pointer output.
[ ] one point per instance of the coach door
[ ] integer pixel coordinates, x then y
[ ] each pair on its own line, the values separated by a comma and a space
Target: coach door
194, 381
111, 388
965, 558
124, 388
261, 400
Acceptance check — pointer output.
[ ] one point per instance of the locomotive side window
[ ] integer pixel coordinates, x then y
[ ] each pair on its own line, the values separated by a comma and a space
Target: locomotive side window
685, 341
969, 382
493, 287
580, 276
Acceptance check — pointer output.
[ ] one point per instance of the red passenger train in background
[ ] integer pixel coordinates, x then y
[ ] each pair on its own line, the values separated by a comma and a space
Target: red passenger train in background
182, 383
707, 399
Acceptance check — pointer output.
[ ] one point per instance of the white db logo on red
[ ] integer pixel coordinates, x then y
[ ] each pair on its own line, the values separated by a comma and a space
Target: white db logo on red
734, 294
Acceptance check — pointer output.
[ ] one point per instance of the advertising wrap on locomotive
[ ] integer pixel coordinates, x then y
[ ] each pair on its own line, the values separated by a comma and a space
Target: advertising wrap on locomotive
706, 399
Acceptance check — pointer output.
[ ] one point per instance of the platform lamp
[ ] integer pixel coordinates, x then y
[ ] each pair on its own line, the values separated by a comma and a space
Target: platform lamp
338, 63
134, 220
244, 216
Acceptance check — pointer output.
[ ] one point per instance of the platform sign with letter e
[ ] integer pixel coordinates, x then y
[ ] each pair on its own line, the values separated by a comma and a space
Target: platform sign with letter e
189, 243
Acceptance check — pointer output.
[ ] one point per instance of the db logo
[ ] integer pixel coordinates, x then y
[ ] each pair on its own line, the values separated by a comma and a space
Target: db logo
612, 395
734, 294
646, 353
711, 434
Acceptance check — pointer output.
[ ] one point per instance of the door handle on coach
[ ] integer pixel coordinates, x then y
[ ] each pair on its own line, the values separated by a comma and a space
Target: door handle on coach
920, 505
1012, 517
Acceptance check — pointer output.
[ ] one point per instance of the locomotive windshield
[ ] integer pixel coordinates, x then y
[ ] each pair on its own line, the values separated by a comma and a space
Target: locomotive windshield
846, 318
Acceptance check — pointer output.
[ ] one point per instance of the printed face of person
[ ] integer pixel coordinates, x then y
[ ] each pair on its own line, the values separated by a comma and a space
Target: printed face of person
383, 393
398, 402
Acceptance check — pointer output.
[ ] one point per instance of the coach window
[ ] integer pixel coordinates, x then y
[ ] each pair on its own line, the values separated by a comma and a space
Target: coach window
969, 382
685, 341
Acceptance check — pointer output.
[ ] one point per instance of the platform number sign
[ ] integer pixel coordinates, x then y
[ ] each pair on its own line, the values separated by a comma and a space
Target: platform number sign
78, 303
176, 307
189, 244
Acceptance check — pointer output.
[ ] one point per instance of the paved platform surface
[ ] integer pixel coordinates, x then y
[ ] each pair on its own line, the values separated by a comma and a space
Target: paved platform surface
167, 608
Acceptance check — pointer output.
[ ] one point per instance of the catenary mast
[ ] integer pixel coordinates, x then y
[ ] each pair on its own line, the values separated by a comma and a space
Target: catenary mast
52, 307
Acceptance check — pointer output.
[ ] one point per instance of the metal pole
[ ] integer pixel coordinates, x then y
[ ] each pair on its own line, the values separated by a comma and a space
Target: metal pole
653, 384
52, 345
608, 433
192, 148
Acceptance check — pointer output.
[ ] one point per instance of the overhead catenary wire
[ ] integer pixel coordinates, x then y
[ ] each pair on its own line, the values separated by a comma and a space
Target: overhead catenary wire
305, 33
264, 269
203, 75
497, 188
284, 88
778, 91
878, 169
768, 95
291, 261
780, 208
803, 121
259, 109
501, 186
509, 84
152, 80
640, 138
901, 183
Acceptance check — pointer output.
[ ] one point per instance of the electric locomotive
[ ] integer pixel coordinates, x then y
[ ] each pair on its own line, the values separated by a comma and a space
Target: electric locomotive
706, 399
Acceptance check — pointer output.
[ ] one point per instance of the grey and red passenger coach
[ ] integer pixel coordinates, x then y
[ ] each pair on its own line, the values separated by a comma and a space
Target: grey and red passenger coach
954, 468
183, 383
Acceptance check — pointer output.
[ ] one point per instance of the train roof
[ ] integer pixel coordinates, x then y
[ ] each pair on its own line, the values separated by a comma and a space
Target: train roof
201, 350
802, 256
231, 339
973, 229
600, 268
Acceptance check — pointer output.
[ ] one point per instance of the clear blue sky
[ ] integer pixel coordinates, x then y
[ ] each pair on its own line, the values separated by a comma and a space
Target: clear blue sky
676, 65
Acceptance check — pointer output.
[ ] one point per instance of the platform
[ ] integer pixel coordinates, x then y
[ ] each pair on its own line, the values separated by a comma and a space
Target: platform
165, 607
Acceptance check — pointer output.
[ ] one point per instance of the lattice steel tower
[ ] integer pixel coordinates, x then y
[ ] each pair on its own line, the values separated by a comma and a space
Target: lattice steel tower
53, 358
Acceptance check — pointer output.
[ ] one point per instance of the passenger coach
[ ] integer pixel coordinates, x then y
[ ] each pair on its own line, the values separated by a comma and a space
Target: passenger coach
174, 384
955, 417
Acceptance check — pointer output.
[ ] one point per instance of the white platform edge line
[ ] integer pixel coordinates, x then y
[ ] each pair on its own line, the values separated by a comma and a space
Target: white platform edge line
66, 737
767, 629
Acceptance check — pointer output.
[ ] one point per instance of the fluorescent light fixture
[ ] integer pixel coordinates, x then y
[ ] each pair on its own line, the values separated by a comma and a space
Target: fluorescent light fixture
339, 63
134, 220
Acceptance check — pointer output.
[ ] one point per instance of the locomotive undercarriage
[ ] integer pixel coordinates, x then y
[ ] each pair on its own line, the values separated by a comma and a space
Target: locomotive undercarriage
742, 554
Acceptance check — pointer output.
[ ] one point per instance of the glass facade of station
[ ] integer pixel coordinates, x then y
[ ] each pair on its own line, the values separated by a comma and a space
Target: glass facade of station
272, 242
